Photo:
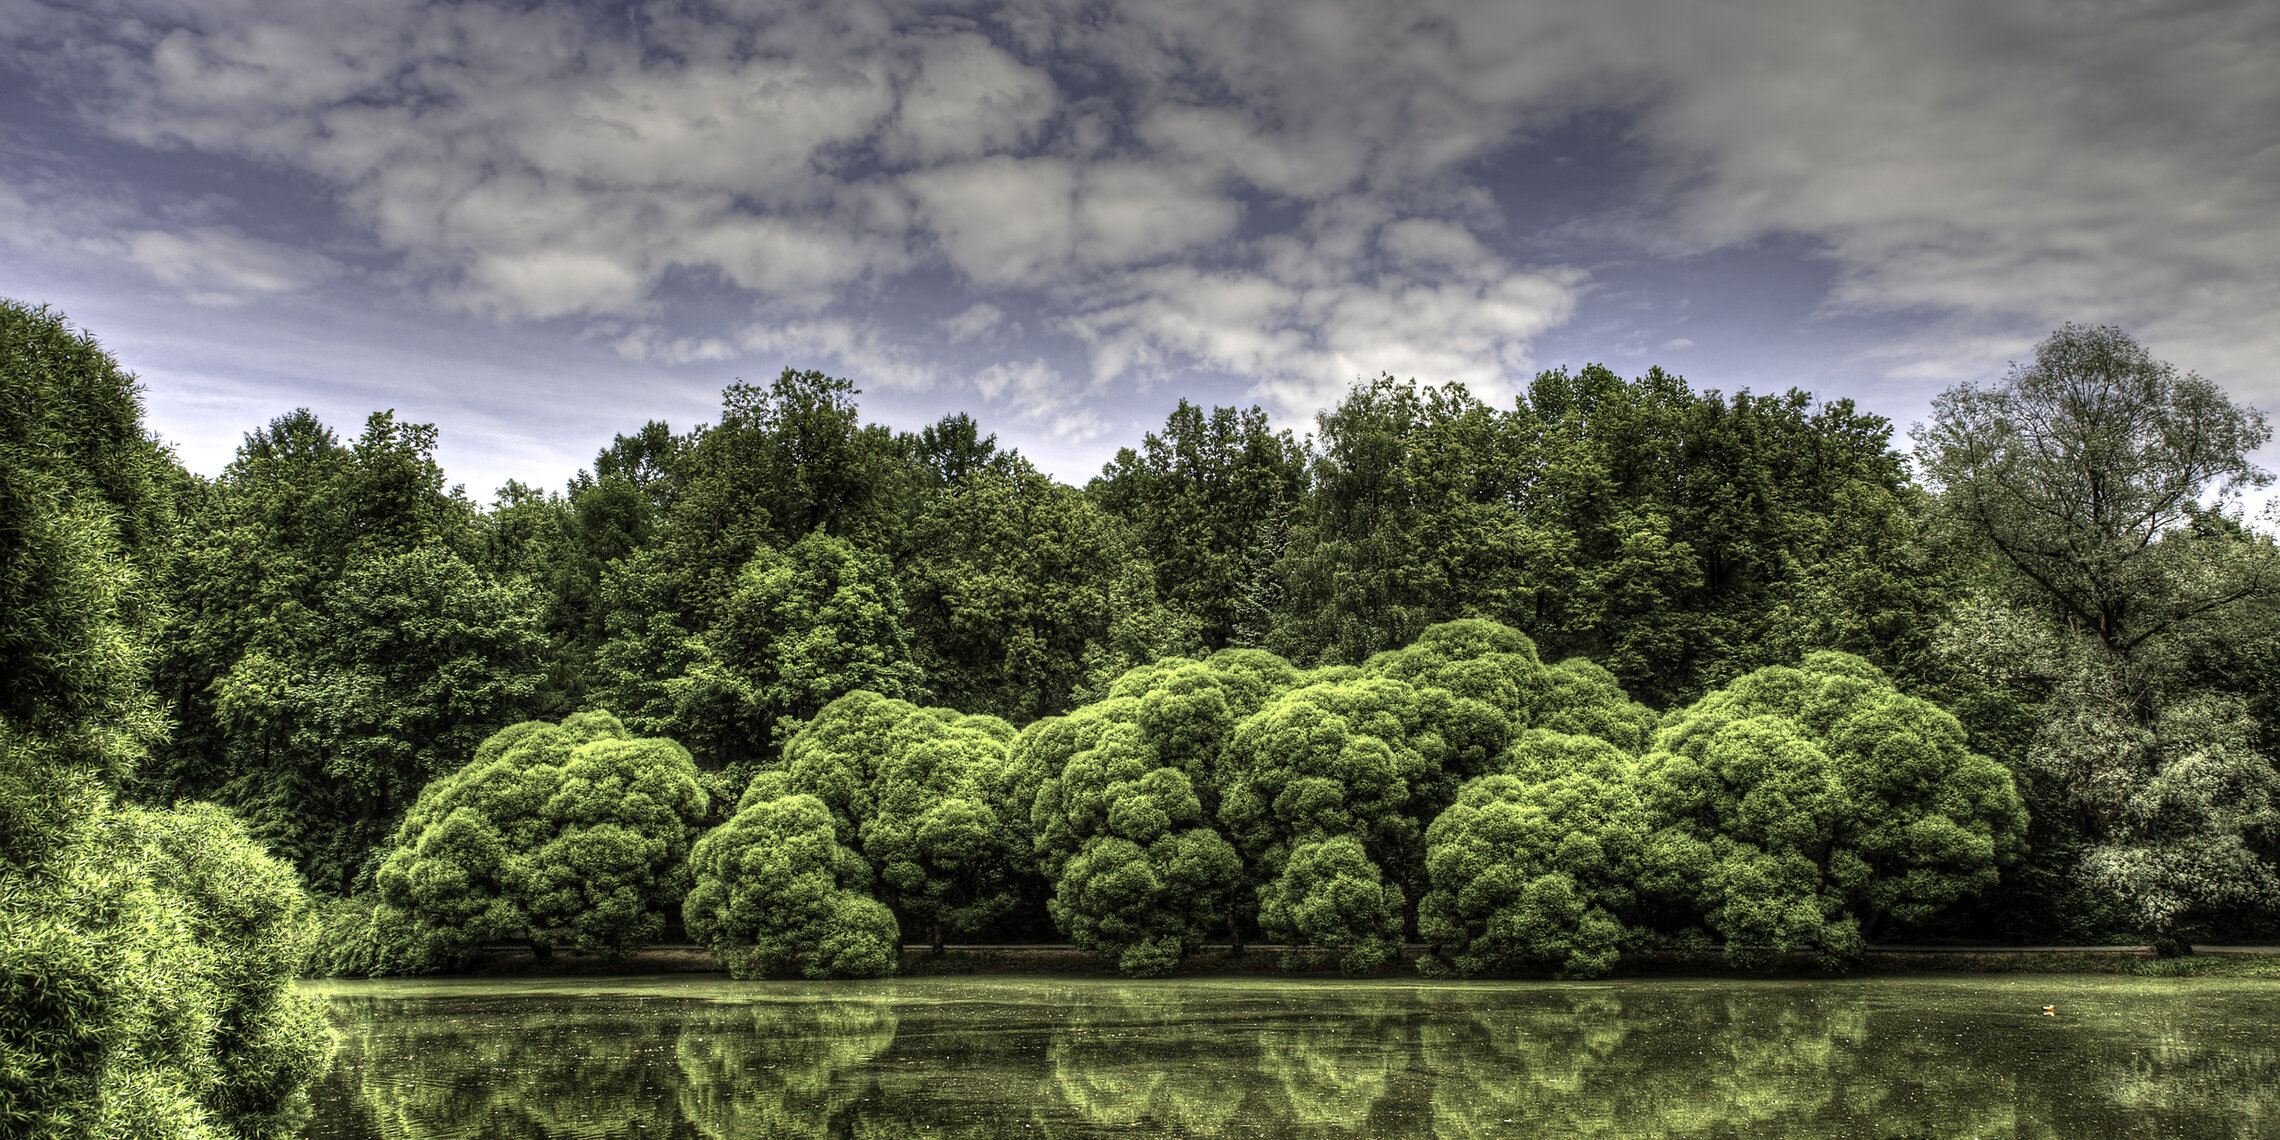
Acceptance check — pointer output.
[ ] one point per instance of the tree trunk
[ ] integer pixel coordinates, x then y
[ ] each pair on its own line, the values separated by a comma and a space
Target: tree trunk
540, 950
1234, 936
938, 935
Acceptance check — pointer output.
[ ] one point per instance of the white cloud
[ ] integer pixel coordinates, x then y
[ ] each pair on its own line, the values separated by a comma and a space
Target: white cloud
1002, 221
968, 99
978, 320
219, 266
861, 350
1037, 394
1988, 168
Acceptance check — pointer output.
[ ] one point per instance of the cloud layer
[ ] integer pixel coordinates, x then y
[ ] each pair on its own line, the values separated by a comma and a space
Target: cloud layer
1292, 194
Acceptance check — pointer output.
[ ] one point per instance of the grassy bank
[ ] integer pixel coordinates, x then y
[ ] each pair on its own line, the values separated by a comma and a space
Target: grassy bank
1065, 961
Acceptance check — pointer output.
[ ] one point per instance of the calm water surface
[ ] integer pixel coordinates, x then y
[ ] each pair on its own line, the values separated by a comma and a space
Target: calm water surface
652, 1059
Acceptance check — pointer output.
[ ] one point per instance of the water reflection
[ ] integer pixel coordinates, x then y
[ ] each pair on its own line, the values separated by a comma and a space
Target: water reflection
967, 1057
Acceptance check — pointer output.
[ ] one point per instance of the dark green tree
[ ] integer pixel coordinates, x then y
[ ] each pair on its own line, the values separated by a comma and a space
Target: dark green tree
1024, 594
804, 627
2089, 488
1196, 496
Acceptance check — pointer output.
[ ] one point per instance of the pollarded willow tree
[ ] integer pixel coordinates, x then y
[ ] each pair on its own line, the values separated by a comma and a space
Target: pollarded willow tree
776, 893
1819, 805
1375, 754
914, 792
1123, 795
572, 834
1538, 864
1295, 800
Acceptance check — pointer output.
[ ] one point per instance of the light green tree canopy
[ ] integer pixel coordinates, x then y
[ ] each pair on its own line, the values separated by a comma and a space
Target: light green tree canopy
775, 893
1122, 796
1538, 866
1817, 804
917, 792
563, 834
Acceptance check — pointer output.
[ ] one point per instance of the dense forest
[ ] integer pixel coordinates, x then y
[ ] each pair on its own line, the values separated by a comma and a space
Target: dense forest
1615, 666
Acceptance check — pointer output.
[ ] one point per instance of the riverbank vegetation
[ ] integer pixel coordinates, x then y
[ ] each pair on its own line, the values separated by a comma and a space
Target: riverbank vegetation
1617, 667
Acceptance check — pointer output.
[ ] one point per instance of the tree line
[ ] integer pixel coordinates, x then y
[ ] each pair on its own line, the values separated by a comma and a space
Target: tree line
653, 668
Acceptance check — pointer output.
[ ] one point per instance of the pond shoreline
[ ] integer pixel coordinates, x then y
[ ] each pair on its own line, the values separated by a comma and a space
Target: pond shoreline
1266, 961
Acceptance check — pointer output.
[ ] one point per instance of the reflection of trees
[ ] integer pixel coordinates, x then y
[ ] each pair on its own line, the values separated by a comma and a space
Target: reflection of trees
978, 1058
1830, 1061
1324, 1072
778, 1068
1146, 1053
509, 1067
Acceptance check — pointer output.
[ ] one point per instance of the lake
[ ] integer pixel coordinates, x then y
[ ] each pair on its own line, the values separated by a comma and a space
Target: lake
648, 1059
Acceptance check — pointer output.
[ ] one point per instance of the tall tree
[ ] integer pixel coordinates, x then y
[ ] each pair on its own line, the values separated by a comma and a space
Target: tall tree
1196, 496
146, 956
2085, 471
2092, 484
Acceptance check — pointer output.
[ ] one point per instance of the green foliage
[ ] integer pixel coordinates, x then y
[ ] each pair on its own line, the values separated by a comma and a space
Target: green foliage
917, 793
145, 956
2187, 807
146, 963
1200, 498
1815, 805
1122, 794
775, 892
570, 834
1538, 867
332, 648
803, 627
2084, 474
1024, 592
83, 522
1333, 899
1659, 531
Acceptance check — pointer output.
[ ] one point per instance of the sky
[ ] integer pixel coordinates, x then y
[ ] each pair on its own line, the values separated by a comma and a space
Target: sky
540, 225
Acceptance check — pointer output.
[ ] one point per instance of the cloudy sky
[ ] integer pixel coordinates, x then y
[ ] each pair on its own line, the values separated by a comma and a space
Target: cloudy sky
538, 225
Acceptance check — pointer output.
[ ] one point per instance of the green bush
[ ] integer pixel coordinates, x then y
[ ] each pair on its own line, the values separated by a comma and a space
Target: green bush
146, 965
776, 893
569, 834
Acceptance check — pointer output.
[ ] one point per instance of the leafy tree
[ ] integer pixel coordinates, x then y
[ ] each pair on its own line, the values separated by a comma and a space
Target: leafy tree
2091, 488
2084, 473
332, 648
562, 834
1120, 797
1651, 528
804, 627
1196, 496
1023, 593
1815, 805
1138, 874
913, 791
1331, 894
776, 892
1538, 865
784, 462
2186, 805
145, 956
